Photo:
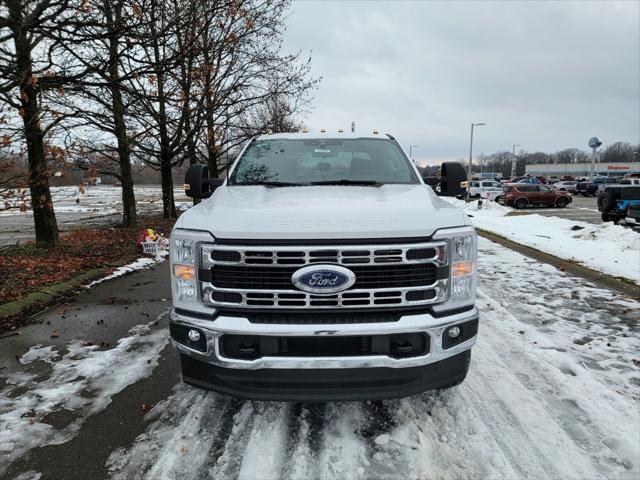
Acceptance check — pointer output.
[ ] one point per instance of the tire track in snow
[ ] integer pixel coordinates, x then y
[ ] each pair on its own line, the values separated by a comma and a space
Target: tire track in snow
220, 436
229, 463
305, 435
265, 452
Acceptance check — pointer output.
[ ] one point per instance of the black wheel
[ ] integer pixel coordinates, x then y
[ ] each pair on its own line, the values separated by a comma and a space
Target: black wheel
562, 202
521, 203
606, 202
497, 199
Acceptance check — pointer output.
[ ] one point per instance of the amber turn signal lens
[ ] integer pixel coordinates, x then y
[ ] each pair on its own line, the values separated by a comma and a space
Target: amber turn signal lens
460, 269
184, 272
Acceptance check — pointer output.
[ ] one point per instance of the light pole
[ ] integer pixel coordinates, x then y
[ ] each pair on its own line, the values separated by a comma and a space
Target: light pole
513, 159
471, 156
411, 147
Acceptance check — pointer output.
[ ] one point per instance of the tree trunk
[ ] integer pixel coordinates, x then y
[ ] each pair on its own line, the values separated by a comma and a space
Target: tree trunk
120, 129
44, 217
168, 204
129, 215
212, 154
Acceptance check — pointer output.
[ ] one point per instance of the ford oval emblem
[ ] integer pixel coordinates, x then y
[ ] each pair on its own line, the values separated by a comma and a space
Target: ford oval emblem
323, 279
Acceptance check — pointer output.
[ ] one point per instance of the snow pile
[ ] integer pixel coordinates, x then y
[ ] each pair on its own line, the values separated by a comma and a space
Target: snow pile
139, 264
81, 381
486, 208
607, 248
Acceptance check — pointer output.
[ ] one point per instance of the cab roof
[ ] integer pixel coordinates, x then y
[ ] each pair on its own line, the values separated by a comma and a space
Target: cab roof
320, 135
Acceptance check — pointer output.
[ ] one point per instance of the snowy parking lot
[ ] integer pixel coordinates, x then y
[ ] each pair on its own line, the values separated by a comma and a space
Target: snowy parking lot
553, 392
92, 206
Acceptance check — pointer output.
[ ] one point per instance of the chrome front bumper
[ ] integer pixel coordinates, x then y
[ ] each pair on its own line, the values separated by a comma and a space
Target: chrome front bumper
433, 326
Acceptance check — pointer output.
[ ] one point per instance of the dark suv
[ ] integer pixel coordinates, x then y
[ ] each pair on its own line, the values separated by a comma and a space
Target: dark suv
524, 195
592, 187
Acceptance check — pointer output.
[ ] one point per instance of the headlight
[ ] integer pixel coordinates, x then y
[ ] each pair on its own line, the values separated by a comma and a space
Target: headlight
184, 249
463, 253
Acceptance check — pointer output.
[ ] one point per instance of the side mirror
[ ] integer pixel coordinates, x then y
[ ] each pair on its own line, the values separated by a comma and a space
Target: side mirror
197, 183
454, 179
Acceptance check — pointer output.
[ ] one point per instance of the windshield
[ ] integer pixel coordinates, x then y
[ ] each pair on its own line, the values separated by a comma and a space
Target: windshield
287, 162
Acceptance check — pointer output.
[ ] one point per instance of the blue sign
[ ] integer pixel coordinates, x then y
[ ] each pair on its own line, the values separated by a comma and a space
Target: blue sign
323, 279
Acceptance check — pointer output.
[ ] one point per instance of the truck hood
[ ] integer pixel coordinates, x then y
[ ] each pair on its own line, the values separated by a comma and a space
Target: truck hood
322, 212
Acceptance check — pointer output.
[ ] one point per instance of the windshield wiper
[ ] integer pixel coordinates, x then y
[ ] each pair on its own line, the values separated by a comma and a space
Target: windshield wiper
344, 181
273, 184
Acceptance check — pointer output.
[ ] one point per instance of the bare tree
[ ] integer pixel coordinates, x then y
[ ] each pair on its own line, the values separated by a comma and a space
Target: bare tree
24, 28
167, 107
216, 64
101, 41
619, 152
247, 75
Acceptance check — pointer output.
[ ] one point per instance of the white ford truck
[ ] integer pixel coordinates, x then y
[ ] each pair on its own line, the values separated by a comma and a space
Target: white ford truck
323, 268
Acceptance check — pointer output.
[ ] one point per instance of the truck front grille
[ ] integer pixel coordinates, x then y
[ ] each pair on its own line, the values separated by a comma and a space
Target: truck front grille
247, 277
386, 275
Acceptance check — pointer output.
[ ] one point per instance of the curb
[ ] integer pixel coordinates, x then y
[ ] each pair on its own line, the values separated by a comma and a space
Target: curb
44, 298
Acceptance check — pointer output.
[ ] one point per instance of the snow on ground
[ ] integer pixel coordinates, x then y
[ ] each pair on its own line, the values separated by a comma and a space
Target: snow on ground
80, 381
607, 248
139, 264
101, 200
553, 392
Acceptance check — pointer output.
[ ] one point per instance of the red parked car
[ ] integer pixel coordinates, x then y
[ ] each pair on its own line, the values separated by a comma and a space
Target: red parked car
522, 195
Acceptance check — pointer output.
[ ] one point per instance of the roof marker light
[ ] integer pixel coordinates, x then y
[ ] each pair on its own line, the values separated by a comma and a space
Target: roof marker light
323, 130
375, 132
340, 130
305, 130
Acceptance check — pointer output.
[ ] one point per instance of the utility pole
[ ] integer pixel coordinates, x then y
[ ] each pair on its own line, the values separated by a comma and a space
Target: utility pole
471, 156
411, 147
513, 159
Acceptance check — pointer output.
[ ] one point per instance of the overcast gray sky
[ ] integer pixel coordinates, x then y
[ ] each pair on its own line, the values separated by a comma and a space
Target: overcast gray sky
547, 75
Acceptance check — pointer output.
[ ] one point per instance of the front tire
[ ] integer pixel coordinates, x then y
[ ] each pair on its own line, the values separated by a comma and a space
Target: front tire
521, 203
562, 202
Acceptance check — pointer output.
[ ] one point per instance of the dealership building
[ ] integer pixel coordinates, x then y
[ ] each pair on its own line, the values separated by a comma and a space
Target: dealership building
581, 169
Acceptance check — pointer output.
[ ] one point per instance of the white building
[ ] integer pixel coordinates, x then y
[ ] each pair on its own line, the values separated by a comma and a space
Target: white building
581, 169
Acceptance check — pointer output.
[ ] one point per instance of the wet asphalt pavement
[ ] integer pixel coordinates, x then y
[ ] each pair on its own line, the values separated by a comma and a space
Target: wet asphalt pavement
102, 315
